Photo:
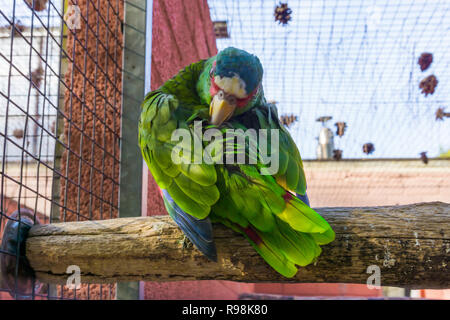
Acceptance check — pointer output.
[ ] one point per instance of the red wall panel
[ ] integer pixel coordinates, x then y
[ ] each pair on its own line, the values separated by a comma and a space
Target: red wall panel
182, 34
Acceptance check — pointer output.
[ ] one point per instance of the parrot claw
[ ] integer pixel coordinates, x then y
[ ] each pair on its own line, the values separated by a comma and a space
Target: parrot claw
187, 244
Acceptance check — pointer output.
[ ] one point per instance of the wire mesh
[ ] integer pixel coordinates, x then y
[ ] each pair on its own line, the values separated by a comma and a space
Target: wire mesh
60, 110
354, 62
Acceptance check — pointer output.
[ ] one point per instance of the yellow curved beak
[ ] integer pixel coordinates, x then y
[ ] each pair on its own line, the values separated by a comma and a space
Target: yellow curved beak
220, 110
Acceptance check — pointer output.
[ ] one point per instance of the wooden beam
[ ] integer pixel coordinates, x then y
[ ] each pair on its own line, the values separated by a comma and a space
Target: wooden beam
410, 244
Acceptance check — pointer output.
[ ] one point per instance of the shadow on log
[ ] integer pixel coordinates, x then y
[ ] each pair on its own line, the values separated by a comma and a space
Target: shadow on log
410, 245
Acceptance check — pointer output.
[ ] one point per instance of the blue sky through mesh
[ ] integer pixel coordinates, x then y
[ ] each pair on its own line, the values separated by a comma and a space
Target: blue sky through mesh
49, 17
356, 61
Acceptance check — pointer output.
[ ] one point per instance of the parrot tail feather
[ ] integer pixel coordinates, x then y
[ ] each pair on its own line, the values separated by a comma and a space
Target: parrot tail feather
304, 198
199, 231
301, 217
250, 233
283, 248
296, 238
269, 252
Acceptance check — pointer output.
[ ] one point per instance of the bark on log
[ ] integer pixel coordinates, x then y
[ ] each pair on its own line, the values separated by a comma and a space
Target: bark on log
410, 244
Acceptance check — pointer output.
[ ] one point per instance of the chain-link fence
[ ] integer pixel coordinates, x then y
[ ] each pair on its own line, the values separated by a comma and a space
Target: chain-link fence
60, 120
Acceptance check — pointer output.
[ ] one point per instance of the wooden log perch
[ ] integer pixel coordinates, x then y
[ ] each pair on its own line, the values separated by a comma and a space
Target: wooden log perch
410, 244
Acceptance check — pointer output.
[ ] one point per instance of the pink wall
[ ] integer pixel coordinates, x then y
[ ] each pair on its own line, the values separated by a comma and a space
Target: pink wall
182, 34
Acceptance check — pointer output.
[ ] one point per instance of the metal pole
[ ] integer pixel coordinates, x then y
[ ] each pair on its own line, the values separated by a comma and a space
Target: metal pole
136, 82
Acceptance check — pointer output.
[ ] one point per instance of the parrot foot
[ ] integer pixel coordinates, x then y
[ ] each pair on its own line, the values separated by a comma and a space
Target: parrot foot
187, 244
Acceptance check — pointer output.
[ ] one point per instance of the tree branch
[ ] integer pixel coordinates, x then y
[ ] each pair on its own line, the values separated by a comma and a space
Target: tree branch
410, 244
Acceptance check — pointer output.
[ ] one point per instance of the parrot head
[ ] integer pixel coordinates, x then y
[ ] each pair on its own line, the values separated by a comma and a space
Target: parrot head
234, 78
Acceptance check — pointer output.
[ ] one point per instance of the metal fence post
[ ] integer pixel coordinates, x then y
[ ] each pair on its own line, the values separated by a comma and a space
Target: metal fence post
136, 82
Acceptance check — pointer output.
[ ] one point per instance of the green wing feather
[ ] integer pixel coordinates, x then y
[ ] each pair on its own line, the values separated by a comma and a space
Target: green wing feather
192, 186
288, 232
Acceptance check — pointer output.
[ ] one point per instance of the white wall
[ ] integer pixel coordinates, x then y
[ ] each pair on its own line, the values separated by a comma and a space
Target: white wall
22, 94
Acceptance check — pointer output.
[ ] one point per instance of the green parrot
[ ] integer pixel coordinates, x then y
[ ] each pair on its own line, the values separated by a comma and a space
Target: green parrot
272, 210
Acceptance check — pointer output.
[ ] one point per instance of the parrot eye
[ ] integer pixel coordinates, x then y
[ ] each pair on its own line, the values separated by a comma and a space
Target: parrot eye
221, 94
232, 100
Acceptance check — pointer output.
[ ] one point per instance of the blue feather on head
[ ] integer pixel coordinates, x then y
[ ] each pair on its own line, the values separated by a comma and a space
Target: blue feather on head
232, 61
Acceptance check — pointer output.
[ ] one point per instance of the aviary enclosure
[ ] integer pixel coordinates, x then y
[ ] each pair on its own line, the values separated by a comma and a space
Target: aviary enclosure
362, 86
